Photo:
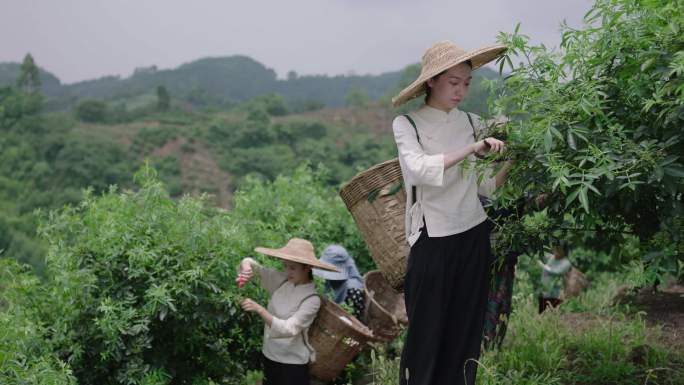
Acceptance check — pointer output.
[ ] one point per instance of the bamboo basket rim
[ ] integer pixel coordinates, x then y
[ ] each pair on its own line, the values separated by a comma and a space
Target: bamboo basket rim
370, 295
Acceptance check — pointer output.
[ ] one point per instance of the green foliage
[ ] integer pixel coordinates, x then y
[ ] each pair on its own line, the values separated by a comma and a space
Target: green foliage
210, 82
25, 358
50, 158
44, 164
84, 161
357, 97
266, 148
298, 206
15, 105
163, 99
142, 283
92, 111
147, 139
299, 106
10, 72
274, 104
141, 287
169, 171
667, 248
29, 76
598, 127
586, 341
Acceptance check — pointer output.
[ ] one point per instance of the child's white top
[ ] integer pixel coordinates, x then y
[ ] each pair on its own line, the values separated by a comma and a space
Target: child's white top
552, 275
294, 309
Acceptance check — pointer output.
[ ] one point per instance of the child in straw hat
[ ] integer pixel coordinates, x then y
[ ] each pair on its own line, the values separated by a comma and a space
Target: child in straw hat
447, 276
291, 310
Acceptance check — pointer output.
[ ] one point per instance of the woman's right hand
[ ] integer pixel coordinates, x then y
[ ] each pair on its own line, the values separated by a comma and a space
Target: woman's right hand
246, 273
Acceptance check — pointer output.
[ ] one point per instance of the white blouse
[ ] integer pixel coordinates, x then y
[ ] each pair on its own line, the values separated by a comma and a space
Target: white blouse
294, 308
447, 199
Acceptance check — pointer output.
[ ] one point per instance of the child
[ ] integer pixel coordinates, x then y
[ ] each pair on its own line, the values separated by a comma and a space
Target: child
554, 270
347, 285
291, 309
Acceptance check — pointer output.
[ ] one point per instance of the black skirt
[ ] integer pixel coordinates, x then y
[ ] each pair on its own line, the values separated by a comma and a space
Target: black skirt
445, 289
277, 373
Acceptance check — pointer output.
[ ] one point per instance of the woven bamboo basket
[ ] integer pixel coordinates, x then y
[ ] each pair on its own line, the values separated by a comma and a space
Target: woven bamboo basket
337, 338
385, 312
574, 283
376, 199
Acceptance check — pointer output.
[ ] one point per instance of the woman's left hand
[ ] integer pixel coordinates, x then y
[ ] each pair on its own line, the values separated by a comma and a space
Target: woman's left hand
488, 144
249, 305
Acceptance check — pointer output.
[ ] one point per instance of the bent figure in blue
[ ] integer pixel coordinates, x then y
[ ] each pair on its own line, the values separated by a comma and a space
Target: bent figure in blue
345, 285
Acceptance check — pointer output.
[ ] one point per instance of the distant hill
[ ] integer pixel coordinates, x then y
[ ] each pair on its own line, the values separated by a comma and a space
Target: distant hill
10, 71
218, 81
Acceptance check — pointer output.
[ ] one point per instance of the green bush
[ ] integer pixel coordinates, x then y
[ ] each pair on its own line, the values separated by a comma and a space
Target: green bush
92, 111
143, 283
25, 358
598, 126
298, 206
142, 288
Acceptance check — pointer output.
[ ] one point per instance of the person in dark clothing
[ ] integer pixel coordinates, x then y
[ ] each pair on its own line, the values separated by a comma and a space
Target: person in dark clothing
447, 277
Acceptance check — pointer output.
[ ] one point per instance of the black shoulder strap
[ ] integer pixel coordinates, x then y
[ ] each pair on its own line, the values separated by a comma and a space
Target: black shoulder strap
470, 119
414, 126
413, 188
307, 297
413, 123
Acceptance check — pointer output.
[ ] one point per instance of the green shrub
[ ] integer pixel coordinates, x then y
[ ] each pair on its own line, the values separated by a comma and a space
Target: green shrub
142, 288
597, 126
92, 111
25, 358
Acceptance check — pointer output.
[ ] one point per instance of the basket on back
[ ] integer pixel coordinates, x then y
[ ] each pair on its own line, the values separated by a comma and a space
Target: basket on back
376, 199
574, 283
385, 311
337, 338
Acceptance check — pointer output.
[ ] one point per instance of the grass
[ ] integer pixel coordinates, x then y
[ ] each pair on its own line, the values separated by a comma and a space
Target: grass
587, 341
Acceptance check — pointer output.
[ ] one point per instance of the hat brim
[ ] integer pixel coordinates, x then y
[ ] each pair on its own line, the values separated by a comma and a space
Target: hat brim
296, 258
330, 275
478, 58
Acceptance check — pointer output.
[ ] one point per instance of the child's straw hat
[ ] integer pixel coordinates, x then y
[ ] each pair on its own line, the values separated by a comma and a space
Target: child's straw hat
297, 250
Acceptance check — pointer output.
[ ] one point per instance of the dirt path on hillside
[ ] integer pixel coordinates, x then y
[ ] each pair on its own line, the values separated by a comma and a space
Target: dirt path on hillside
200, 172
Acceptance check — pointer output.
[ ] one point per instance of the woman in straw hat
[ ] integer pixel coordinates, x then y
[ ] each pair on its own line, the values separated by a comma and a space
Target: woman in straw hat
291, 310
447, 275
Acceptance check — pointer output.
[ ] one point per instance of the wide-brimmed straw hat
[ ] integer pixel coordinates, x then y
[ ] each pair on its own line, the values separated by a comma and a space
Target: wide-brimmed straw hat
439, 58
297, 250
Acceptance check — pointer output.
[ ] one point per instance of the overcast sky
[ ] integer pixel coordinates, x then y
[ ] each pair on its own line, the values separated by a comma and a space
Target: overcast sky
85, 39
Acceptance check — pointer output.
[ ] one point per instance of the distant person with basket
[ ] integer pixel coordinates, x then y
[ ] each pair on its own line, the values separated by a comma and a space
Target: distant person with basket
447, 278
345, 285
291, 310
560, 280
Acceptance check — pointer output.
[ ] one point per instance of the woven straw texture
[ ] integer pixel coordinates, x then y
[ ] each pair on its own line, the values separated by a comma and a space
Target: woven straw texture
335, 340
442, 56
385, 311
376, 199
